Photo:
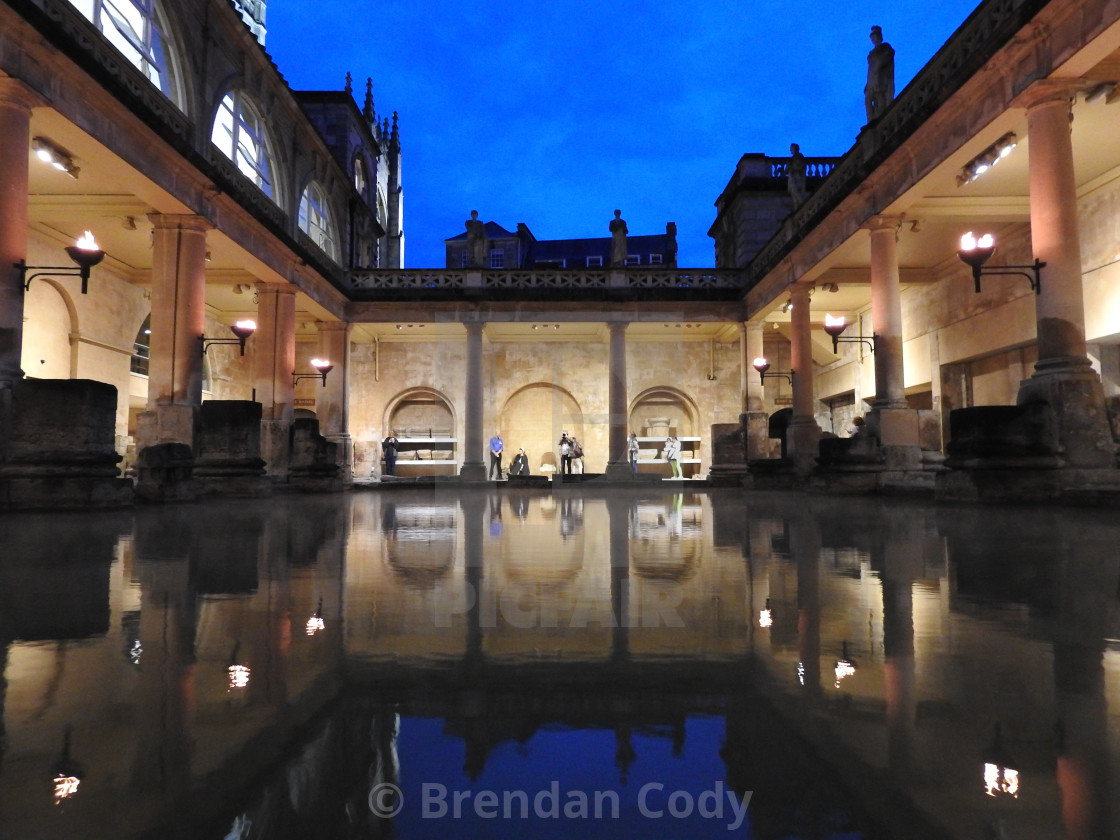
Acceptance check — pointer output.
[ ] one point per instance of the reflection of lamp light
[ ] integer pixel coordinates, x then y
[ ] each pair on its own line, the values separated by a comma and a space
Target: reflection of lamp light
834, 325
316, 622
975, 252
1000, 778
242, 330
322, 365
845, 666
238, 674
84, 252
762, 366
766, 616
67, 773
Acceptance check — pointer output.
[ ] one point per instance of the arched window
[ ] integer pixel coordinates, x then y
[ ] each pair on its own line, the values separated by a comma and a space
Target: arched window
240, 133
360, 174
315, 220
142, 348
137, 28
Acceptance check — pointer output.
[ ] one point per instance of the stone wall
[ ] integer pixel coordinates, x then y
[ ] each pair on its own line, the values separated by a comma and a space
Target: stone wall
532, 392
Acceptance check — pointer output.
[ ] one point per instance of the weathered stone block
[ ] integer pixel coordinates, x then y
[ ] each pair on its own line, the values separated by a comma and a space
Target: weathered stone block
165, 472
1005, 432
62, 427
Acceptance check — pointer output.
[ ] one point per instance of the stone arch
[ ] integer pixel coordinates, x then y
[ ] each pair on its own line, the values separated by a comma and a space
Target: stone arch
419, 408
534, 417
50, 328
664, 402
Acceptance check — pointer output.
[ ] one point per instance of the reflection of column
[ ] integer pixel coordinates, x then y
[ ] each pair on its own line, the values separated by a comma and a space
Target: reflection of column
803, 432
274, 361
474, 465
898, 666
1063, 377
3, 693
178, 319
617, 463
472, 508
166, 674
269, 636
805, 549
618, 513
1086, 613
333, 399
16, 101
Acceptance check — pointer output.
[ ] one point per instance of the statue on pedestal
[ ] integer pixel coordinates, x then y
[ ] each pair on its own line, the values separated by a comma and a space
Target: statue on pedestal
879, 91
476, 242
618, 239
795, 179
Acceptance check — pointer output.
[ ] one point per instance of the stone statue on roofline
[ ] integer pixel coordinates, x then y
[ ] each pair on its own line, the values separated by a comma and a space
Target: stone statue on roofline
879, 91
795, 175
618, 239
476, 241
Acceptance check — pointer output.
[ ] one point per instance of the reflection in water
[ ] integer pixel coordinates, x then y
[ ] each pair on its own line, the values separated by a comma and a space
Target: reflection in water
727, 648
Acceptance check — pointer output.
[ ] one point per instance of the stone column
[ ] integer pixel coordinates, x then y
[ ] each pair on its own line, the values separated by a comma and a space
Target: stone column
1063, 377
803, 434
891, 421
474, 446
16, 102
754, 419
178, 320
617, 463
274, 360
332, 404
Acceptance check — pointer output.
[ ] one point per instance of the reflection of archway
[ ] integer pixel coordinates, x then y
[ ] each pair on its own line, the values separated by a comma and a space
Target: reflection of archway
663, 402
418, 542
533, 419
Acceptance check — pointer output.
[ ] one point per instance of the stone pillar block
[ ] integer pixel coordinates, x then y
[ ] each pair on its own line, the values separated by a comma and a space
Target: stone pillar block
228, 450
314, 459
166, 424
165, 473
61, 447
729, 453
756, 428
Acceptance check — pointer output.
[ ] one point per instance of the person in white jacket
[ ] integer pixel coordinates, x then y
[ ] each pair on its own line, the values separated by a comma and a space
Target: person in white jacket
673, 455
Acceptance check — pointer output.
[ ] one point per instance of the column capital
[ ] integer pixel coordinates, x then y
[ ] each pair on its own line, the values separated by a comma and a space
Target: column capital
883, 222
15, 93
1051, 92
276, 288
474, 327
180, 221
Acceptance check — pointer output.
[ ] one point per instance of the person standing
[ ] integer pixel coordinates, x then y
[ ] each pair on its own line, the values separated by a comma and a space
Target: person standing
577, 454
632, 450
389, 448
565, 454
673, 455
496, 456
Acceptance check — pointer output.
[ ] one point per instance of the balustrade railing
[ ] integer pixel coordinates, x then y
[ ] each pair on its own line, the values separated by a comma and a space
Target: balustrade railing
814, 167
676, 281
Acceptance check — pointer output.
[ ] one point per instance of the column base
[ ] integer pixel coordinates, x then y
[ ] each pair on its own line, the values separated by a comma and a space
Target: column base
803, 437
1073, 391
166, 424
473, 471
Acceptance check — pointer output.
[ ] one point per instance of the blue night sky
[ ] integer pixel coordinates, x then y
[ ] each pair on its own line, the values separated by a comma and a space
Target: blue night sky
555, 113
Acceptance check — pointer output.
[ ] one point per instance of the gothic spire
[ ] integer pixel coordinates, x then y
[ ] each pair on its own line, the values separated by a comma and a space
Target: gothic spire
367, 110
349, 86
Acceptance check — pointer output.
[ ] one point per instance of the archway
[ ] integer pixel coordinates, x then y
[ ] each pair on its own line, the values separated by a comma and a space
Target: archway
49, 321
533, 419
424, 422
661, 411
